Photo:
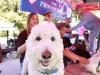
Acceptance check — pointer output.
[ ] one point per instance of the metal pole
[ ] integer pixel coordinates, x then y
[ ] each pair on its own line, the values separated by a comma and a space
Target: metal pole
14, 38
7, 38
98, 43
77, 18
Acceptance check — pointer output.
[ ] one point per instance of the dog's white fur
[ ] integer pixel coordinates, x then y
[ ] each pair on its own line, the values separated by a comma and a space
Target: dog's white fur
91, 67
35, 48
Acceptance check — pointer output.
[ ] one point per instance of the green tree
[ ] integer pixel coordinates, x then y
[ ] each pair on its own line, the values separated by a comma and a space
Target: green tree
3, 34
10, 12
74, 15
55, 20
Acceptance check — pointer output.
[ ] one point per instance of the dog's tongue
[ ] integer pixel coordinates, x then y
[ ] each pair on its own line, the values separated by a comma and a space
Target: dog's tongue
45, 63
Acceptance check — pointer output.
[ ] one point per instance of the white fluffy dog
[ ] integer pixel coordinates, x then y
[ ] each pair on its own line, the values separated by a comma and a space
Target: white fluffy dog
94, 65
44, 54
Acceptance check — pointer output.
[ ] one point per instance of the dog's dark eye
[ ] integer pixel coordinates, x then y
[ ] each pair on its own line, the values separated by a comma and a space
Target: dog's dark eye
52, 38
38, 38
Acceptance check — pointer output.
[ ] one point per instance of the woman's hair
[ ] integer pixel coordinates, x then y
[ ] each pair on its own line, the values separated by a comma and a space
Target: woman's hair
28, 21
47, 13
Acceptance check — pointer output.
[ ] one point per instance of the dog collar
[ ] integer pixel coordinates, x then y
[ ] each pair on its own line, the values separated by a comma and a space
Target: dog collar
49, 71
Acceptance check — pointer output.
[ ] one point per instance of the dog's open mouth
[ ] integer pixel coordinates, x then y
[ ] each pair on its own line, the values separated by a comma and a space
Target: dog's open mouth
45, 62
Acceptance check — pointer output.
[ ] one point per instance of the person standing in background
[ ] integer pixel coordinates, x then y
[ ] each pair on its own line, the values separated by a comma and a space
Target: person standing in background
69, 34
48, 17
90, 22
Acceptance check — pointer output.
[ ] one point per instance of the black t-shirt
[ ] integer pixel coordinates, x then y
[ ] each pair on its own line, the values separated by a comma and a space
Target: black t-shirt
68, 26
66, 42
21, 40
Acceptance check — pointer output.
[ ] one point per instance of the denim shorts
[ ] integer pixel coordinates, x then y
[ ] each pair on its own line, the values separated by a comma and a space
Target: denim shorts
21, 65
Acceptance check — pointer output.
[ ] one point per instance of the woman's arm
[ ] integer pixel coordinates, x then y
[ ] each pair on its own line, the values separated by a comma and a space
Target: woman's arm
21, 49
71, 55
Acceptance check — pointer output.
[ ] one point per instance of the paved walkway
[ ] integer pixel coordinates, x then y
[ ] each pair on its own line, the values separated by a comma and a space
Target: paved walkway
12, 67
76, 69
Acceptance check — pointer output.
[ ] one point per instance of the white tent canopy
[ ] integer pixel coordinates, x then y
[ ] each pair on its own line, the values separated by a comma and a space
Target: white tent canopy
8, 28
7, 25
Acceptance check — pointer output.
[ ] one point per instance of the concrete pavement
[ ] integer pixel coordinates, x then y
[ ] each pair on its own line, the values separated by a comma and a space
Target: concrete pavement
76, 69
12, 67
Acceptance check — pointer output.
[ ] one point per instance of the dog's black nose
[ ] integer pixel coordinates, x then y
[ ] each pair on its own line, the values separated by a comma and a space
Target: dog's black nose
46, 54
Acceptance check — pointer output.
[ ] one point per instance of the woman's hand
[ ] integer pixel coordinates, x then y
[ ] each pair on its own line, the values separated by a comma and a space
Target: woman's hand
21, 49
84, 60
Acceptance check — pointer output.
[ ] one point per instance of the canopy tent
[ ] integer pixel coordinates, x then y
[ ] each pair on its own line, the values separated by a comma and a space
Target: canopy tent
7, 26
91, 5
91, 1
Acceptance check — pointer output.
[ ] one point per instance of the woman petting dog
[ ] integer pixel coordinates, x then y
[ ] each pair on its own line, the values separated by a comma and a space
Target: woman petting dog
67, 52
32, 20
